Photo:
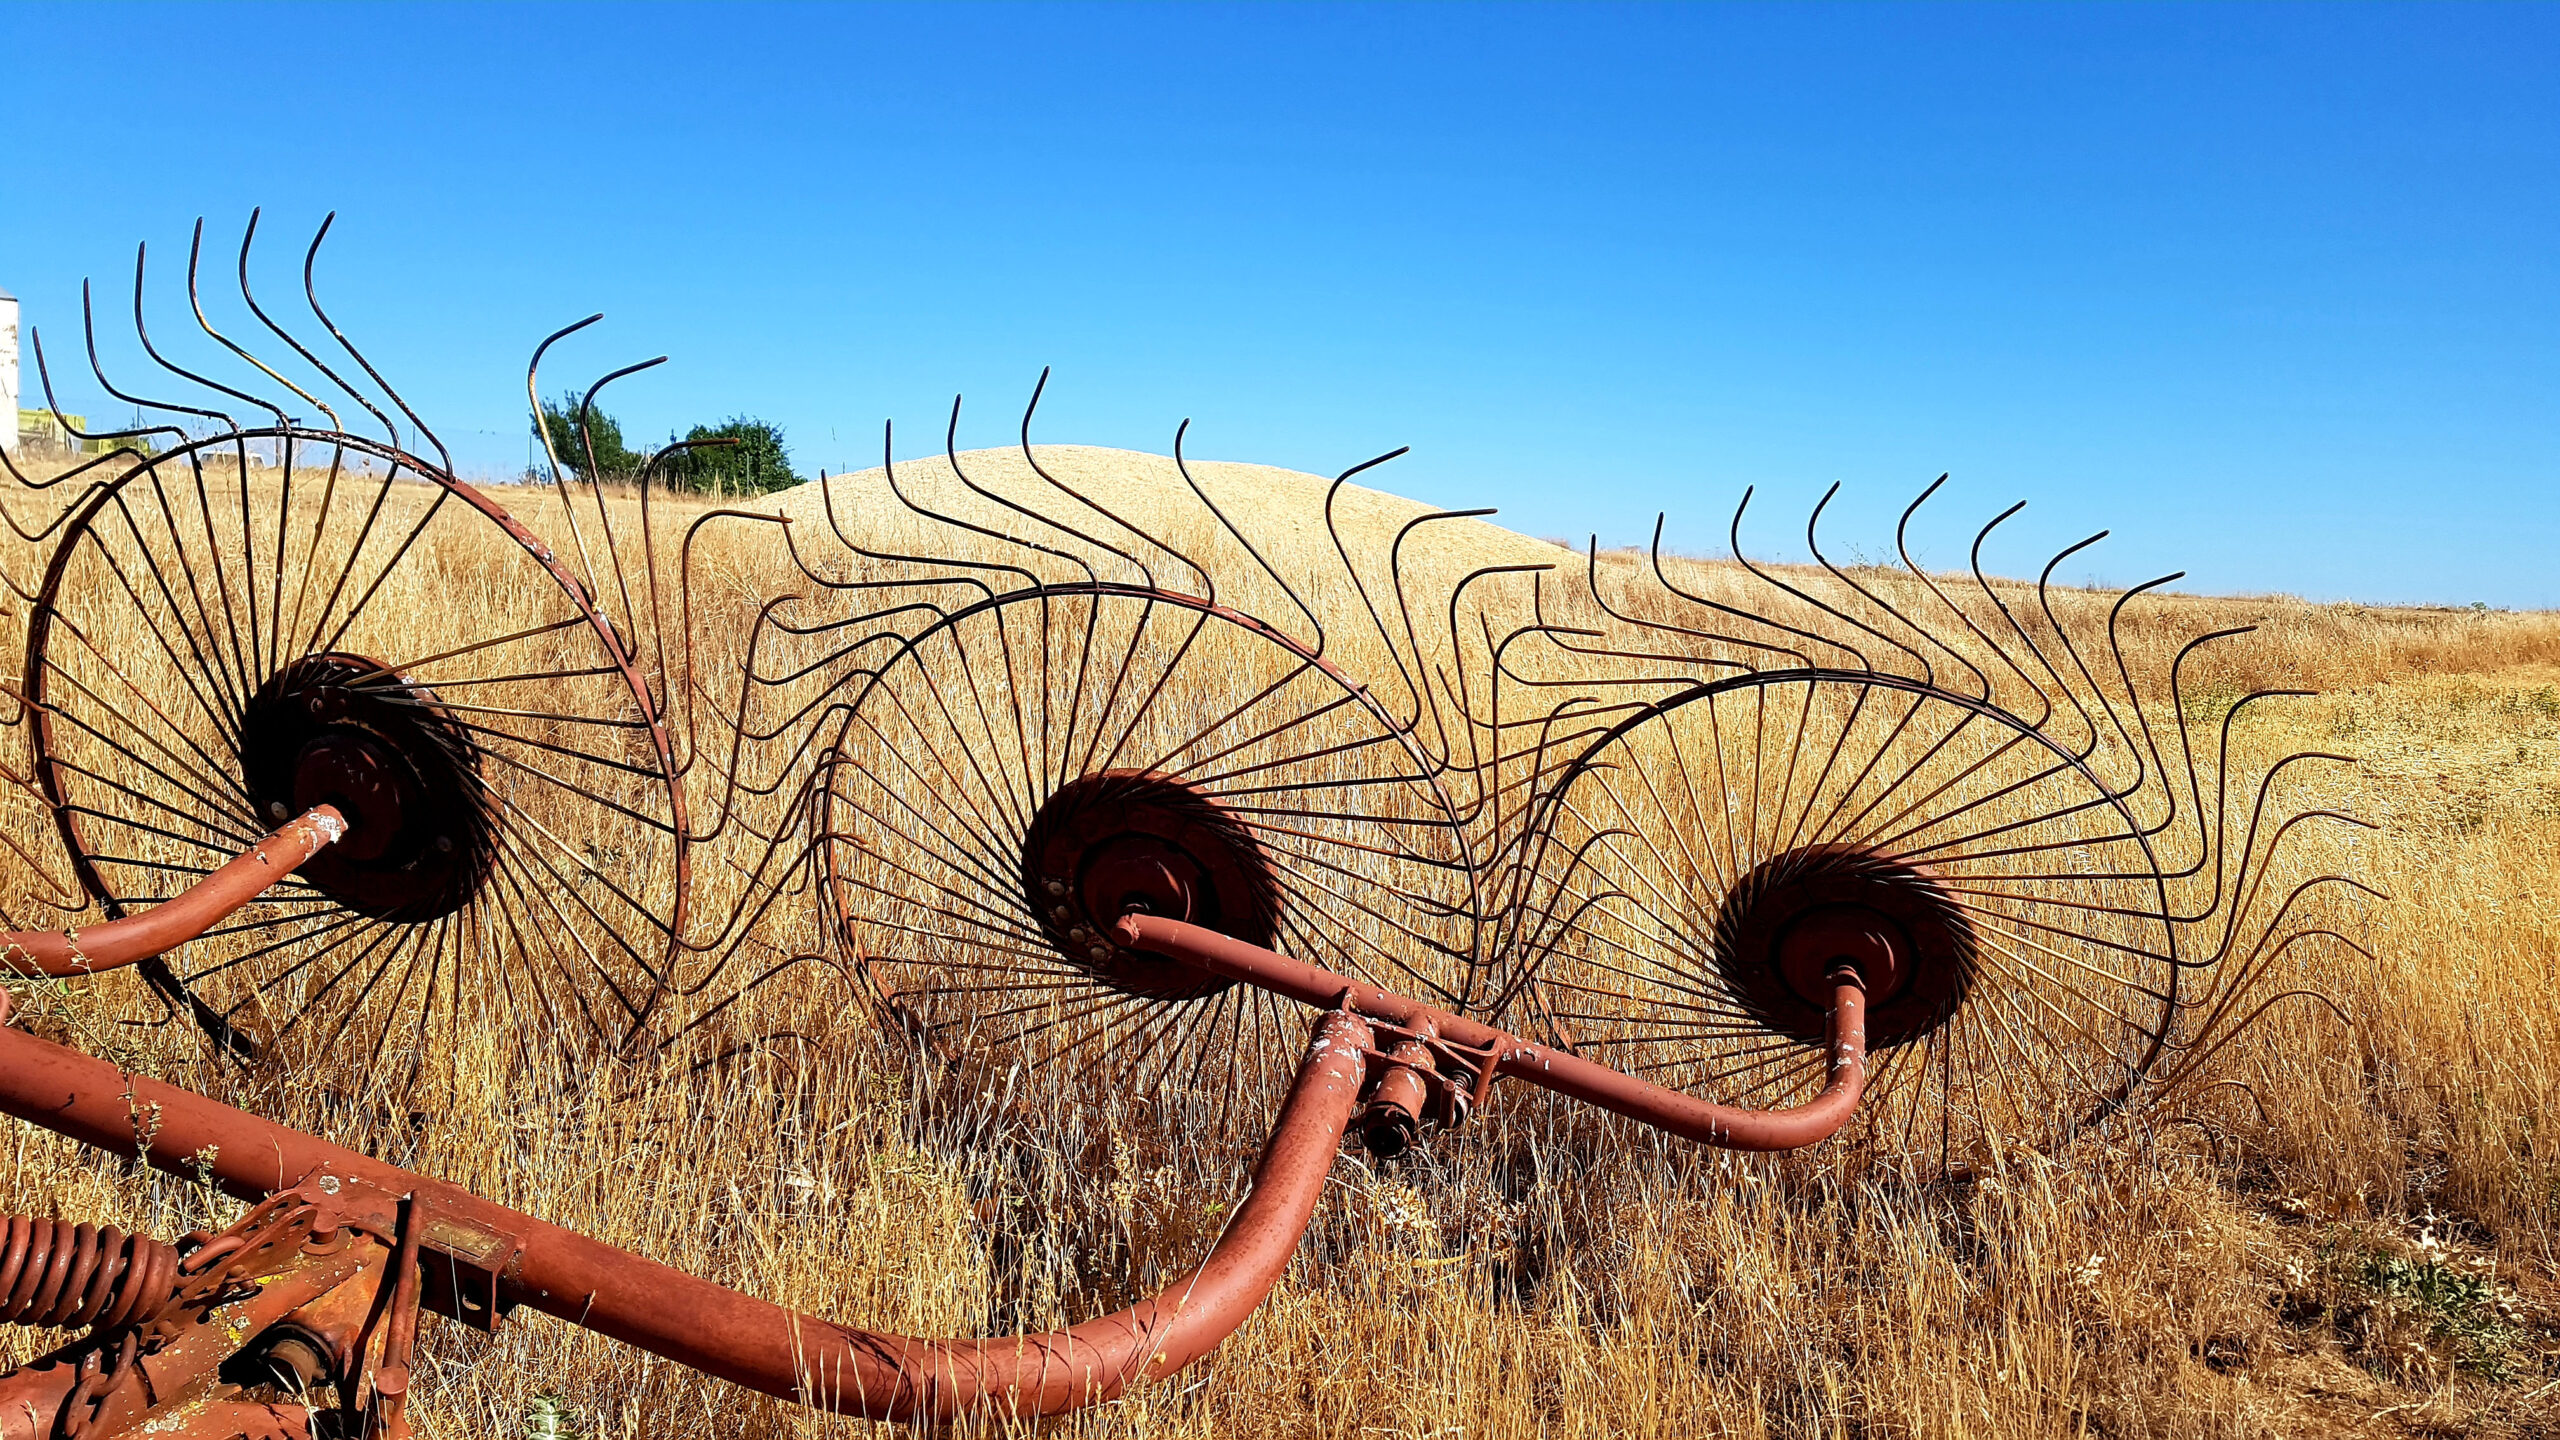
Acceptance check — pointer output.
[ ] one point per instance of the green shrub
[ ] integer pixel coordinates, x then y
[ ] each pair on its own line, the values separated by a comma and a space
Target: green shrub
604, 437
753, 463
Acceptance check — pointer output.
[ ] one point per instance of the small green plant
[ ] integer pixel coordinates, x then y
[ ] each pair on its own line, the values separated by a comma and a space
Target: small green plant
550, 1417
2458, 1303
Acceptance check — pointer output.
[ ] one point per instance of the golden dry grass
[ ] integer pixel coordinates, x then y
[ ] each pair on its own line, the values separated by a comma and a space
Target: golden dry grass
2360, 1235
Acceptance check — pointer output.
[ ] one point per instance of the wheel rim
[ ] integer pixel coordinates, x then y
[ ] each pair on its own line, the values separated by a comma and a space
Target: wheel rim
1710, 853
214, 640
1039, 758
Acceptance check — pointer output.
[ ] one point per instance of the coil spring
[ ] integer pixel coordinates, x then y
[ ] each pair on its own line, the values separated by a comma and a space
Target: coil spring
59, 1275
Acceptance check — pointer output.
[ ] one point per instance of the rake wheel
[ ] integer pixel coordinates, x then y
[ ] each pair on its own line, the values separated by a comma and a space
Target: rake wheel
1719, 851
1038, 764
1986, 796
220, 642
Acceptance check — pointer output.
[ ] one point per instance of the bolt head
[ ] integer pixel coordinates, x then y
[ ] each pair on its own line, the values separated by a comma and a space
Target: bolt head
444, 844
1056, 887
276, 810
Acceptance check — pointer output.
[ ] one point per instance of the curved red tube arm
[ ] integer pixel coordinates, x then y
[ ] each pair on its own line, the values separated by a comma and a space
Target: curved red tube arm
1542, 1065
175, 921
719, 1331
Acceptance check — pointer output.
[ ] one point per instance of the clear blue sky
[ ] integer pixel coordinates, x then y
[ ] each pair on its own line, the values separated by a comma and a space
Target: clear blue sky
2273, 292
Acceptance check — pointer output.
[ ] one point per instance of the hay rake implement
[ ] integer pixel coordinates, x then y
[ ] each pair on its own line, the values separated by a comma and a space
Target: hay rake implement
1826, 853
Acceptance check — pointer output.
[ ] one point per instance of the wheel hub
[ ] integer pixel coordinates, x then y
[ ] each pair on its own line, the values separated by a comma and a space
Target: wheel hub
337, 729
1125, 841
1797, 915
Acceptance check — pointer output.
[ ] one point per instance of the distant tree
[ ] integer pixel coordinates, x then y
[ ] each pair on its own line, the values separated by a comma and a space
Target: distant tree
753, 463
604, 436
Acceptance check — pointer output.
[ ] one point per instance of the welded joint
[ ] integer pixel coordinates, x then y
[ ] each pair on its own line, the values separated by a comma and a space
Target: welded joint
1415, 1079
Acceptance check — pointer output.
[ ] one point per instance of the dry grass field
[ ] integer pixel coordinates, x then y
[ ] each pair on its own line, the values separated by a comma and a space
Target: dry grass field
2347, 1229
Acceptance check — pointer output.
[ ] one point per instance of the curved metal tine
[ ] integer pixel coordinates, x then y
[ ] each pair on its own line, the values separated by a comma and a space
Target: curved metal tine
1183, 466
89, 331
288, 337
951, 456
1208, 584
2229, 981
1404, 611
1813, 543
889, 471
741, 729
248, 236
2062, 682
1524, 836
2208, 831
1461, 689
1599, 597
2250, 873
1983, 582
604, 512
273, 640
2207, 1032
2191, 1065
2222, 782
1587, 708
2158, 763
118, 463
234, 675
1404, 605
1902, 547
1734, 540
942, 565
2137, 750
1531, 919
1385, 637
256, 651
660, 686
309, 257
1033, 581
311, 294
142, 333
551, 451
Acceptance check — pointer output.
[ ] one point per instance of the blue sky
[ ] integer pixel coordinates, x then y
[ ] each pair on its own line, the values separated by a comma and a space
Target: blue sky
2273, 293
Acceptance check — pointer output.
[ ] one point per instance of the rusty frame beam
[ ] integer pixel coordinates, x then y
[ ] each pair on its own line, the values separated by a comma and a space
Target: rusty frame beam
1545, 1066
716, 1330
182, 917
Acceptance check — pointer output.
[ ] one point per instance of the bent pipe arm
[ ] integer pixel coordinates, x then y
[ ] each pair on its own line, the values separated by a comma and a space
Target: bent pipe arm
182, 917
1562, 1071
719, 1331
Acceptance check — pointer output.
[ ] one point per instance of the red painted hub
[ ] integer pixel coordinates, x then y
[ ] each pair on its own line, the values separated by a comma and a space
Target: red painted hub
1796, 915
338, 730
1124, 841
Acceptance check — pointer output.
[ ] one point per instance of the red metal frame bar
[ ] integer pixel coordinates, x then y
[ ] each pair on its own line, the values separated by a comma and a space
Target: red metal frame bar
181, 918
1543, 1065
490, 1258
705, 1326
